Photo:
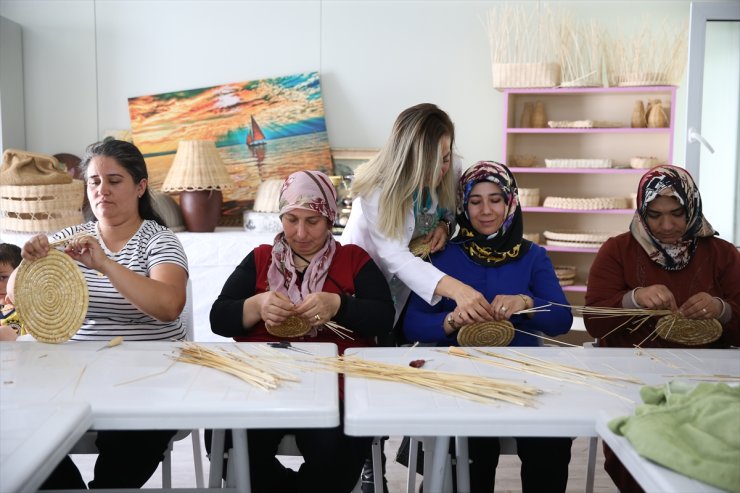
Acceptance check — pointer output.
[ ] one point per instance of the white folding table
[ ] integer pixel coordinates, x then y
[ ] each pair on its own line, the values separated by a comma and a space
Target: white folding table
34, 438
138, 386
377, 408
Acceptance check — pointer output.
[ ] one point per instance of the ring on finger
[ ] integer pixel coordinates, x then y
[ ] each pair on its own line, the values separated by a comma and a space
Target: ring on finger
704, 310
317, 317
503, 309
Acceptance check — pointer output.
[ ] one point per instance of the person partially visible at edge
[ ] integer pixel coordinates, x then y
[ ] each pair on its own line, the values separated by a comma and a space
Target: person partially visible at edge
10, 258
306, 273
402, 194
670, 259
489, 254
136, 273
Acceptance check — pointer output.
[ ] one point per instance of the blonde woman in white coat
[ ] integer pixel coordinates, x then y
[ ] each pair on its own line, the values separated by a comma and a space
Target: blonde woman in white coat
406, 192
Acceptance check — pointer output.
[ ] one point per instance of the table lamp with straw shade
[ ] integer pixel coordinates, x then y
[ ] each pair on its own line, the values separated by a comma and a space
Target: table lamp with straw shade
199, 175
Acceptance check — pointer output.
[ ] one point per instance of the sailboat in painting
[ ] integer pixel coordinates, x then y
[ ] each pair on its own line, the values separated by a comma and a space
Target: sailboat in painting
255, 137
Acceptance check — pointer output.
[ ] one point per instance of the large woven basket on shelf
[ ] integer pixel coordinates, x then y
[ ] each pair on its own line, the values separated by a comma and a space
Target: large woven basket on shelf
36, 195
529, 197
486, 334
51, 297
688, 331
291, 327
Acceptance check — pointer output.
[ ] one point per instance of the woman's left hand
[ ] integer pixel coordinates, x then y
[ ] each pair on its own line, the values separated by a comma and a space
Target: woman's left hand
505, 305
318, 308
701, 306
437, 238
87, 250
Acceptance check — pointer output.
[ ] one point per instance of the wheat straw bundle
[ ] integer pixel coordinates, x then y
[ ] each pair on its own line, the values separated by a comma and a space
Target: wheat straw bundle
483, 334
655, 55
264, 372
292, 326
687, 331
472, 387
51, 297
581, 53
420, 247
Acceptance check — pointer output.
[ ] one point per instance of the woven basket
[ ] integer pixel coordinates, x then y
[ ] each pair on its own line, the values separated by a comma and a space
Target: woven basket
51, 297
687, 331
525, 75
292, 327
41, 208
644, 162
578, 163
573, 244
584, 124
580, 236
586, 204
533, 237
529, 197
565, 272
522, 160
486, 334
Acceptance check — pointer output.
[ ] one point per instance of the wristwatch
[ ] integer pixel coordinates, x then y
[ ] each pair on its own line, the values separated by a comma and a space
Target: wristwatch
451, 321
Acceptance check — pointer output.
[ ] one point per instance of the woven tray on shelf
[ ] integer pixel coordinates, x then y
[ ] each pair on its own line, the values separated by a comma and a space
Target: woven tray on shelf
580, 236
292, 327
51, 297
586, 204
687, 331
564, 272
486, 334
522, 160
644, 162
584, 124
529, 197
572, 244
525, 74
579, 163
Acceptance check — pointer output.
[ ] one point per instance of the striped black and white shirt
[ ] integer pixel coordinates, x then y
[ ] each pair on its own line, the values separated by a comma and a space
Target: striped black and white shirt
109, 314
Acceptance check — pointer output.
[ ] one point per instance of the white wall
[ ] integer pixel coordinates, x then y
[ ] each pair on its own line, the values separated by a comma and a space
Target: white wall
84, 58
12, 112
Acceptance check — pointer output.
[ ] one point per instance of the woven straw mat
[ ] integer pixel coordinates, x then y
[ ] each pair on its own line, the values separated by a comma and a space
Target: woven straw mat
292, 327
687, 331
51, 297
486, 334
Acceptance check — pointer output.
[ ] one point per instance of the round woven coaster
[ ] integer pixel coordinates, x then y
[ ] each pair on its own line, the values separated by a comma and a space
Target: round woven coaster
420, 248
51, 297
486, 334
292, 327
687, 331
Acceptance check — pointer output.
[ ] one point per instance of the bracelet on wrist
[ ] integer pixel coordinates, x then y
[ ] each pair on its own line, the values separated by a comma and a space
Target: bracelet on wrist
526, 301
446, 224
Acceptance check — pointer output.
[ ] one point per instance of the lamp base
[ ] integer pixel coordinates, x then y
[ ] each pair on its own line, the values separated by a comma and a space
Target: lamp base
201, 209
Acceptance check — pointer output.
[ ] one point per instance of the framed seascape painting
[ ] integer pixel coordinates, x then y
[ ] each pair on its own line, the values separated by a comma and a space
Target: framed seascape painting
263, 129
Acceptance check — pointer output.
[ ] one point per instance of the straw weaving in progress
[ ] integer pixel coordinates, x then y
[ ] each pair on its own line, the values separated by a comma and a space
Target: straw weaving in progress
291, 327
51, 297
688, 331
486, 334
420, 248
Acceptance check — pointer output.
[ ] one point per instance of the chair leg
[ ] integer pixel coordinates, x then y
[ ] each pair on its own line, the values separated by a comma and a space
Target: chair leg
593, 443
411, 479
377, 465
197, 458
462, 464
217, 458
167, 468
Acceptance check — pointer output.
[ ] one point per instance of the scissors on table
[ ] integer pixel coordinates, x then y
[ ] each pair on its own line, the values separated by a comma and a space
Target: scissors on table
287, 345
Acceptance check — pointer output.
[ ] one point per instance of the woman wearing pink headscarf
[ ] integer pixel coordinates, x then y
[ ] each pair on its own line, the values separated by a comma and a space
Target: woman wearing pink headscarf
306, 273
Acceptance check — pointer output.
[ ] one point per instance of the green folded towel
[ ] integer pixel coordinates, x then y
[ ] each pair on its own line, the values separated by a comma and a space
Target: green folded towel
693, 430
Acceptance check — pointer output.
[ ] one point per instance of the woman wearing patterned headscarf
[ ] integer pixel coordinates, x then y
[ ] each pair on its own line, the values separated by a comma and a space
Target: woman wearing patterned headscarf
306, 273
670, 259
490, 255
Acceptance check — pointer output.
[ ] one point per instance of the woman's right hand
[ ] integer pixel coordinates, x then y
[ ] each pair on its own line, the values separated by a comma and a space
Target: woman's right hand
35, 248
275, 308
472, 306
655, 297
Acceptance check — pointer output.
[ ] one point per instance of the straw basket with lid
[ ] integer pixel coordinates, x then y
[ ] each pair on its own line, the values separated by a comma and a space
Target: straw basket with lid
36, 195
199, 175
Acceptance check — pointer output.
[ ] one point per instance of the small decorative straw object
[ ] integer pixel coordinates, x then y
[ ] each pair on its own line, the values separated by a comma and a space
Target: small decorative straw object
687, 331
51, 297
641, 162
590, 204
529, 197
579, 163
486, 334
533, 237
293, 326
420, 248
522, 160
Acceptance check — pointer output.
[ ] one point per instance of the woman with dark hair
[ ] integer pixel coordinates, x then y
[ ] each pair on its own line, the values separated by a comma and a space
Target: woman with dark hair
136, 273
669, 259
489, 254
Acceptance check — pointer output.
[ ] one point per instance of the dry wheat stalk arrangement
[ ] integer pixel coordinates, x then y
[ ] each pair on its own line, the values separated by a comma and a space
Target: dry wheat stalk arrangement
262, 371
471, 387
581, 53
654, 55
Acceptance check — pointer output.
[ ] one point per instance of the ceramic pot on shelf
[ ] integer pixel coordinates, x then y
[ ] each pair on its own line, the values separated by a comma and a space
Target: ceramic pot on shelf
638, 115
656, 117
539, 118
201, 209
526, 119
